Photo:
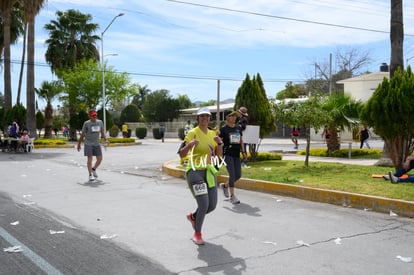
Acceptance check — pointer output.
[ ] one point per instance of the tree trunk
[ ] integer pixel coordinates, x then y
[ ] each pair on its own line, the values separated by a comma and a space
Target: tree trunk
307, 130
385, 160
397, 61
333, 142
48, 120
396, 37
30, 92
6, 8
19, 89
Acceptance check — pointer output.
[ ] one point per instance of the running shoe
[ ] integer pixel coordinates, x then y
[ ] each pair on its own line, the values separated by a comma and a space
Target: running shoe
91, 178
197, 239
225, 190
94, 173
191, 219
234, 200
393, 178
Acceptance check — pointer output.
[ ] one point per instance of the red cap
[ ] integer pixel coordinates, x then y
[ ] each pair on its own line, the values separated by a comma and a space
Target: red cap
92, 113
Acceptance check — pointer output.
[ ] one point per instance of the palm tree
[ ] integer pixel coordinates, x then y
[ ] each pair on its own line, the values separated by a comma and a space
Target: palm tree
31, 9
49, 91
71, 39
17, 27
6, 8
343, 114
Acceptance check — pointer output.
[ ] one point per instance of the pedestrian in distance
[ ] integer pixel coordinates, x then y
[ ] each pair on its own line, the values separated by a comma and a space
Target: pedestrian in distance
364, 134
124, 130
397, 176
326, 134
294, 134
187, 127
13, 132
162, 131
24, 140
92, 131
233, 145
204, 147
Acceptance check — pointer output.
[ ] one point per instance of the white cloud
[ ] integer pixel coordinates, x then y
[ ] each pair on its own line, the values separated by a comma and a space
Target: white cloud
160, 36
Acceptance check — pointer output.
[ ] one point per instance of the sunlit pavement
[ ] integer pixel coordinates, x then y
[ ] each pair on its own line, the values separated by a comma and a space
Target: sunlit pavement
145, 210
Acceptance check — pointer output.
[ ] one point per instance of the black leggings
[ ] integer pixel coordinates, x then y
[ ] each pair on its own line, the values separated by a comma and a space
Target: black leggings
233, 166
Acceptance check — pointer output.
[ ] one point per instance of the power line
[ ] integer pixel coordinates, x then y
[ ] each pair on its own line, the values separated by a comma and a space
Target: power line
283, 17
177, 76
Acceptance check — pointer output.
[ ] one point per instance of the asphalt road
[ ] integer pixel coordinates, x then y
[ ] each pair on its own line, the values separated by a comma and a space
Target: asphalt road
49, 246
144, 210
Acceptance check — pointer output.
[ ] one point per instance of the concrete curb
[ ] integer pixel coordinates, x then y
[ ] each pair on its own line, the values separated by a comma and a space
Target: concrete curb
345, 199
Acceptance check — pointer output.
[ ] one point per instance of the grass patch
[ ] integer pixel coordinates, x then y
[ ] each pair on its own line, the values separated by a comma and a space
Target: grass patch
333, 176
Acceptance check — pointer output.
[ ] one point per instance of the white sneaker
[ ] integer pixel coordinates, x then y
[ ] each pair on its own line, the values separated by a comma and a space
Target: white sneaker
225, 190
94, 173
234, 200
91, 178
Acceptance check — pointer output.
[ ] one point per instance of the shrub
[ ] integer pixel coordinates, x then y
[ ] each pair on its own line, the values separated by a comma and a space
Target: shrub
130, 114
262, 156
121, 140
141, 132
341, 153
50, 142
114, 131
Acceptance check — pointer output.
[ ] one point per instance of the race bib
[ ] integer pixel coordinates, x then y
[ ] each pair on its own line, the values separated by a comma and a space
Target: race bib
200, 188
95, 128
235, 138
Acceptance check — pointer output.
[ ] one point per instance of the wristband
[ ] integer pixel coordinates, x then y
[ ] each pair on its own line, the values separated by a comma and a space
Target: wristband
220, 144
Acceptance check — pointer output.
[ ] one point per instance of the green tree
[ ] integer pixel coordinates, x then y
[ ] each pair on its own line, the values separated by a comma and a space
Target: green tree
17, 112
49, 91
308, 114
139, 98
130, 114
76, 122
160, 106
252, 95
291, 91
388, 112
71, 39
40, 121
343, 113
208, 103
83, 86
184, 101
109, 120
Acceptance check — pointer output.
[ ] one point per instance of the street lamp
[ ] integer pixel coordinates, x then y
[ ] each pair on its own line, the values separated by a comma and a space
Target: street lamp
103, 70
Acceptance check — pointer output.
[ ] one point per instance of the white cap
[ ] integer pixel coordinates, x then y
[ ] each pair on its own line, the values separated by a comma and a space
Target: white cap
204, 110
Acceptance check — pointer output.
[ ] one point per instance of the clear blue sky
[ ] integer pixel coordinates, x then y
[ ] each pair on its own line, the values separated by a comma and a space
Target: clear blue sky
170, 44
